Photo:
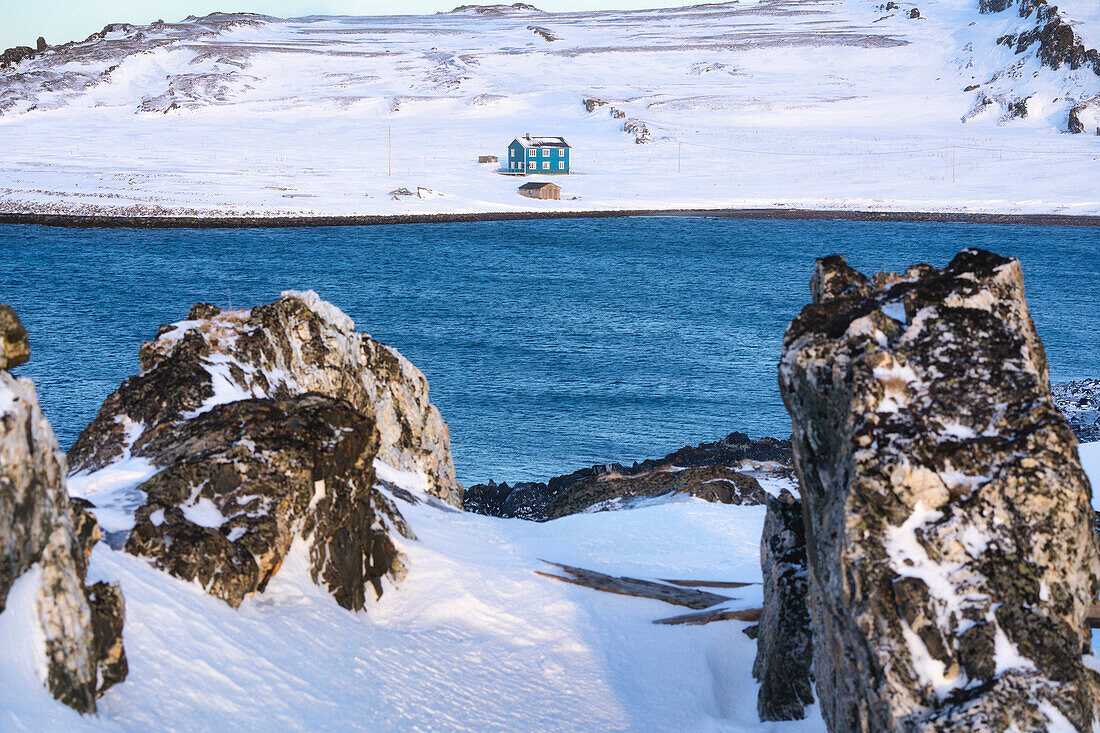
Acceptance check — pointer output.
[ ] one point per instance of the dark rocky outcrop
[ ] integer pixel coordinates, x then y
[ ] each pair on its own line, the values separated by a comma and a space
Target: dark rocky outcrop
582, 489
1054, 39
784, 651
948, 522
1080, 403
606, 490
544, 33
41, 534
261, 428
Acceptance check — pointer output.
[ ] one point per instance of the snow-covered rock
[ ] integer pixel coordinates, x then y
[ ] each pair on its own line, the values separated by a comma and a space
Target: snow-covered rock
73, 632
247, 430
949, 531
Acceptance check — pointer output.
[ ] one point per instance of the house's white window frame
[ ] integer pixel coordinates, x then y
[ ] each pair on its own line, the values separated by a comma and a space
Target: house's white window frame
546, 165
511, 152
531, 165
561, 165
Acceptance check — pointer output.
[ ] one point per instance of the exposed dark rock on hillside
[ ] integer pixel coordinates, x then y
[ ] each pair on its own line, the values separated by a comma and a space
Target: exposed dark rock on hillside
1057, 43
1080, 403
784, 651
589, 486
260, 428
949, 531
43, 540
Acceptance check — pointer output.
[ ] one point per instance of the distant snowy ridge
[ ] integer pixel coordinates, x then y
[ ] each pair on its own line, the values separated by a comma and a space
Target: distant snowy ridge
809, 104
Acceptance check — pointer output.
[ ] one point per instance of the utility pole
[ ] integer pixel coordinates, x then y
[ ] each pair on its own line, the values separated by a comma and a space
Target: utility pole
389, 149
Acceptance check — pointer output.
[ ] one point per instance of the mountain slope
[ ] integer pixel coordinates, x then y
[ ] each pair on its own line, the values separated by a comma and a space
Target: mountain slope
811, 103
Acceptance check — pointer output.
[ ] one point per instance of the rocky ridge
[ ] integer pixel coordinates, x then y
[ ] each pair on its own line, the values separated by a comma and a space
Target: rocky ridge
708, 470
250, 430
952, 558
45, 542
49, 77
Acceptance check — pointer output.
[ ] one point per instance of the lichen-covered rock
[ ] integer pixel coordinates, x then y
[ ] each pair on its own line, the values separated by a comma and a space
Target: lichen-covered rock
249, 430
239, 483
784, 637
297, 344
37, 535
949, 529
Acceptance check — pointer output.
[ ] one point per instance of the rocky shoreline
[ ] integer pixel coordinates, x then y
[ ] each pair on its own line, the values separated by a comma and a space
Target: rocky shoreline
92, 221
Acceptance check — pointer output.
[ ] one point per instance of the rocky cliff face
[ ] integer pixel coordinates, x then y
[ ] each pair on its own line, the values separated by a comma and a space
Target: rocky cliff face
1056, 45
949, 531
42, 537
249, 430
710, 475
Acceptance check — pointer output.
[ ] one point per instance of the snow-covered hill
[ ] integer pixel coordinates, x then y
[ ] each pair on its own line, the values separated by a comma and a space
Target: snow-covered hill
808, 103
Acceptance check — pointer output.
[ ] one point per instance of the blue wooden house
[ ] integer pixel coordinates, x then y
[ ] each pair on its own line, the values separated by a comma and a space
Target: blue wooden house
542, 155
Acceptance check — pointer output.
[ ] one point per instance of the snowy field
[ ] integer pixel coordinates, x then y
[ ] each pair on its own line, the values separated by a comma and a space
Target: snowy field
472, 640
762, 103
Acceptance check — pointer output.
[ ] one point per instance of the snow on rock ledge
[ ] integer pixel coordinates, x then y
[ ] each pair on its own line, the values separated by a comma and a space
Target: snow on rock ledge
44, 543
949, 533
248, 429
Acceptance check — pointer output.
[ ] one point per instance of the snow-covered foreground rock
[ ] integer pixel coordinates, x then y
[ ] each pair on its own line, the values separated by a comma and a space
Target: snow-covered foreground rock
248, 430
808, 103
950, 541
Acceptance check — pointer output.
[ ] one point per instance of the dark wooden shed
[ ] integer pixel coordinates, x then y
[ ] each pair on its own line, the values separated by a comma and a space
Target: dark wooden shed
541, 190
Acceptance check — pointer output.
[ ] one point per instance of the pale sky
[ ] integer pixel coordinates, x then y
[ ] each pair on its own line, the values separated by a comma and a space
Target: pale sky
23, 21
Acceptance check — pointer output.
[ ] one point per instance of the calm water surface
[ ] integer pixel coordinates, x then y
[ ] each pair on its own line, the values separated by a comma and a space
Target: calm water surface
549, 345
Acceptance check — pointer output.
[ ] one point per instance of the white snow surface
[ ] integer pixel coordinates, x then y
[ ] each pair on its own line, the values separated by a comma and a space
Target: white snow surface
471, 640
1090, 461
797, 103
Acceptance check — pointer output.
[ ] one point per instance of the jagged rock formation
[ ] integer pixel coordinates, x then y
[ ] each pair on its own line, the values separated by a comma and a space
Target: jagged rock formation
1056, 45
81, 627
297, 344
784, 639
949, 530
613, 482
1080, 403
261, 427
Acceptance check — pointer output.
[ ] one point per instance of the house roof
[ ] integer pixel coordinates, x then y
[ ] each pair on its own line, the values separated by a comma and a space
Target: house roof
535, 185
542, 142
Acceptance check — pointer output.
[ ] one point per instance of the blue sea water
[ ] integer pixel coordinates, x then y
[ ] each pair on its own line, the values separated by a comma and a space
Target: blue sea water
549, 345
